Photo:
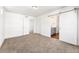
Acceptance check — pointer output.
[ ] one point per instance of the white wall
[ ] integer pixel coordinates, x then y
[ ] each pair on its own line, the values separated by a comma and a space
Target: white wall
26, 25
43, 25
31, 25
13, 24
17, 24
1, 26
37, 25
53, 20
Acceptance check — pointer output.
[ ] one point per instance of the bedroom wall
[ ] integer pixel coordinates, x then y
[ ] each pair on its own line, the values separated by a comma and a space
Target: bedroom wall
26, 25
1, 26
43, 25
13, 24
37, 25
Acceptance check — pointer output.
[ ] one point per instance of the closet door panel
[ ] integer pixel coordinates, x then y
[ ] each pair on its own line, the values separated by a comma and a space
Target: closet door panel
68, 27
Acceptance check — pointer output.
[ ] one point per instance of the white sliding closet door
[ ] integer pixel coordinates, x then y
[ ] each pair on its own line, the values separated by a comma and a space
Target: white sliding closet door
68, 27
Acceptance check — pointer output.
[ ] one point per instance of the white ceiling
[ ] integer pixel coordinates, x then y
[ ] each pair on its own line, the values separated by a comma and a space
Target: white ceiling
29, 11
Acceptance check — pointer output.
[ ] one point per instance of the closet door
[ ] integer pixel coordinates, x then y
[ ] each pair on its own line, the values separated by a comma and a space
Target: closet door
68, 27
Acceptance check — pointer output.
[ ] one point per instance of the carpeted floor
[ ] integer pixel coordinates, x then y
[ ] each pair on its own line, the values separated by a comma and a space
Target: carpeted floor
36, 43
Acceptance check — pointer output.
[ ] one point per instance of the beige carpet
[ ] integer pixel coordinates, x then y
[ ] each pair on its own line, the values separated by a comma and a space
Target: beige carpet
36, 43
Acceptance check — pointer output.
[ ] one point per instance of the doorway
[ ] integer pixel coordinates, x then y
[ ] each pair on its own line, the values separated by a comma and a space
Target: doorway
54, 26
31, 26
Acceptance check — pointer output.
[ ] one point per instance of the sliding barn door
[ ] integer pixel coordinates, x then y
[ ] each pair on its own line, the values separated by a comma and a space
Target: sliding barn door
68, 27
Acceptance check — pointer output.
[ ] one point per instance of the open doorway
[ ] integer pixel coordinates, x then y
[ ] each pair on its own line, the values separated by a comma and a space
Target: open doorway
31, 27
54, 26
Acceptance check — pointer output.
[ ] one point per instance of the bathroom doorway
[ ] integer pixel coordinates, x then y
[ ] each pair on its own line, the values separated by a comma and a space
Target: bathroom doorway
54, 26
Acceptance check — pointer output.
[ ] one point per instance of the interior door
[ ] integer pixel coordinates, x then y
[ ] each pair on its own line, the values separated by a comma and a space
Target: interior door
31, 26
68, 27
